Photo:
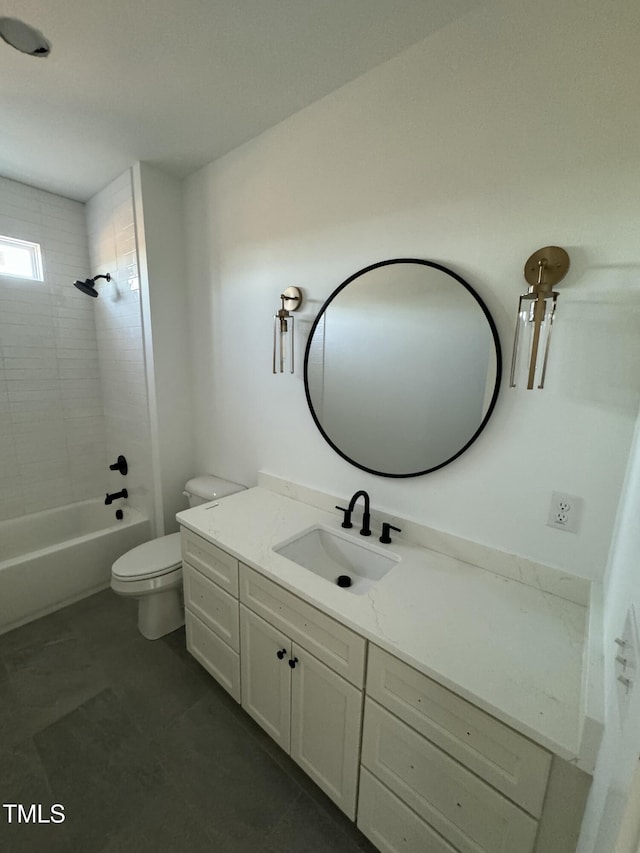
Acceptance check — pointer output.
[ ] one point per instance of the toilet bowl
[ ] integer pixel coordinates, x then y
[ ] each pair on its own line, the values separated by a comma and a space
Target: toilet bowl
152, 572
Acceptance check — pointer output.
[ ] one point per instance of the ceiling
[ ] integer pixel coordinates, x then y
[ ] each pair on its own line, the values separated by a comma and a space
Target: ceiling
179, 83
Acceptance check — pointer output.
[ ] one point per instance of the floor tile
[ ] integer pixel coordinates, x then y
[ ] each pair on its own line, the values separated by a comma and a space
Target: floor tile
103, 619
143, 748
50, 678
101, 767
44, 630
13, 727
224, 774
307, 829
153, 681
164, 823
23, 781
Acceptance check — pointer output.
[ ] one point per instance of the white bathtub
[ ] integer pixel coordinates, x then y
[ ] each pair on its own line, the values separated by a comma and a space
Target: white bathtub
51, 558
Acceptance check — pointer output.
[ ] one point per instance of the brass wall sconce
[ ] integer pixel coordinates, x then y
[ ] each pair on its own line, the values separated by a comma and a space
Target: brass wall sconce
536, 310
283, 332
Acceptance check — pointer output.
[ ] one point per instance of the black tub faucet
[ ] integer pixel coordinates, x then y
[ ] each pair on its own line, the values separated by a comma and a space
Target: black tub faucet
366, 515
109, 499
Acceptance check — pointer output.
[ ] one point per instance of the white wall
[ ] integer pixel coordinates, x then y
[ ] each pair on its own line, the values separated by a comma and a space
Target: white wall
51, 420
512, 129
620, 749
160, 234
112, 247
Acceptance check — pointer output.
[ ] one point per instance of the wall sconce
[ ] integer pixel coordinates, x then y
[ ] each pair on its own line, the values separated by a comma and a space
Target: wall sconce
283, 329
544, 269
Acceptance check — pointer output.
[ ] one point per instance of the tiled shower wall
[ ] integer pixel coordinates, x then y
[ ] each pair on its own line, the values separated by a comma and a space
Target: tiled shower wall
52, 428
112, 248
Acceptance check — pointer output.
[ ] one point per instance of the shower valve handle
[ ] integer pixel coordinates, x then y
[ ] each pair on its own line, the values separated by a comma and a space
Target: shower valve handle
120, 465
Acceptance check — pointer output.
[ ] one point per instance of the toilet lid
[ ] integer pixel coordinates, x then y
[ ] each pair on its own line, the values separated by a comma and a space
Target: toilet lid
149, 560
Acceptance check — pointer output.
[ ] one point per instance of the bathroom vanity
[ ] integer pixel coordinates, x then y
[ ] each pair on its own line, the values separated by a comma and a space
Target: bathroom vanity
444, 706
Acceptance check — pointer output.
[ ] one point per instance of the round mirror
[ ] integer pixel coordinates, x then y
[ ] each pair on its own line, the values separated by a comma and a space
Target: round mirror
402, 367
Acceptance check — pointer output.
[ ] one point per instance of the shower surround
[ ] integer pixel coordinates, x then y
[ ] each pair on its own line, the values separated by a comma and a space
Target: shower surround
52, 426
73, 396
120, 341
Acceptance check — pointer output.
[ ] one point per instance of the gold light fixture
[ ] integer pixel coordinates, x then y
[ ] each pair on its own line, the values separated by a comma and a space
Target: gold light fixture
544, 269
283, 337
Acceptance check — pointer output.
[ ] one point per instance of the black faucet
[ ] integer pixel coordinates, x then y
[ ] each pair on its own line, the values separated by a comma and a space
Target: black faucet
111, 498
366, 515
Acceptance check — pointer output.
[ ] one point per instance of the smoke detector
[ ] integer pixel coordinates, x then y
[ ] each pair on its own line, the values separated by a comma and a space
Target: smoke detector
24, 38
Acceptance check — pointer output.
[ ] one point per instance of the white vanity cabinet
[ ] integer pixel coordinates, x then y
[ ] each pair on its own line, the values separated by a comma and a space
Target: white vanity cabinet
421, 769
212, 622
297, 696
440, 774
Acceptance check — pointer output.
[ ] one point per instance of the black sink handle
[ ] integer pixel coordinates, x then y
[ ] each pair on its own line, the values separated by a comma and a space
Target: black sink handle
386, 527
347, 516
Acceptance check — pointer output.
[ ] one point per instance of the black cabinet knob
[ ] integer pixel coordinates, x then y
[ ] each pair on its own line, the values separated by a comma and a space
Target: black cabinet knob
293, 662
281, 653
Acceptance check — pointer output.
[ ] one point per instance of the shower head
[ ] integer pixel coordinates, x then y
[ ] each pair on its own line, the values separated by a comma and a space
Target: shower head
24, 38
88, 286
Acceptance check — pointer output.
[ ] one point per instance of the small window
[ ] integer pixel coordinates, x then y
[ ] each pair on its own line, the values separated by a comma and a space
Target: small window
20, 258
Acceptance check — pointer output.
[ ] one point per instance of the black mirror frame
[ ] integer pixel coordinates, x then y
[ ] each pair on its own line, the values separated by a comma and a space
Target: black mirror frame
496, 341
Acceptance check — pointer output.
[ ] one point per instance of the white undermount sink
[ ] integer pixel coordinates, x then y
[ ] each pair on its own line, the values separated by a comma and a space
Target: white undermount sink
331, 554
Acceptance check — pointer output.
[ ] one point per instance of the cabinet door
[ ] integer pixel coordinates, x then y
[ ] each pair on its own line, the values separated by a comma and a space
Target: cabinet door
266, 676
340, 648
326, 719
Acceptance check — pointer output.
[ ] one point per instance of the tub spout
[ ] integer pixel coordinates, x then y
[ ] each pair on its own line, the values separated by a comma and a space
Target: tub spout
109, 499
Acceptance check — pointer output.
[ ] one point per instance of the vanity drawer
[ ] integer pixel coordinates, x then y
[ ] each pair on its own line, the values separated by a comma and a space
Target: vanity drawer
216, 608
460, 806
391, 825
214, 563
510, 762
341, 649
216, 656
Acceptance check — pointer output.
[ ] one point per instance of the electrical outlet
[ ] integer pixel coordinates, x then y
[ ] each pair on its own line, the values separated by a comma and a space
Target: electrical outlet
565, 512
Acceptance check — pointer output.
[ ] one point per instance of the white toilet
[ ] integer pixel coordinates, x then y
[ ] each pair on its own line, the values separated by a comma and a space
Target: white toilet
152, 572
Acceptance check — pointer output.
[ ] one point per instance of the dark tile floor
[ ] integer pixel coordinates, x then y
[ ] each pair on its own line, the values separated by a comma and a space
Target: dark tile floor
142, 748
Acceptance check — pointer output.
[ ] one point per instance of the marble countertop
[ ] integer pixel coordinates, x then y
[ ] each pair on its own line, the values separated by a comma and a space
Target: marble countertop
513, 650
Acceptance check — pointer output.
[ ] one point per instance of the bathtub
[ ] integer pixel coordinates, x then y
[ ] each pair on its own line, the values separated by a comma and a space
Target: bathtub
51, 558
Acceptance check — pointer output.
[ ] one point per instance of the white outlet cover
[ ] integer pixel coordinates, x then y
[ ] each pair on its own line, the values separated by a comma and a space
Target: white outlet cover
565, 512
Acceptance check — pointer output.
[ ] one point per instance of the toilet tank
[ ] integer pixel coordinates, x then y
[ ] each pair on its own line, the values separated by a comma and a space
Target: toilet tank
205, 488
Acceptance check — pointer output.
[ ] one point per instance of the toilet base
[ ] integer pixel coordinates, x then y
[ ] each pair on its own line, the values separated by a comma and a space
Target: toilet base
160, 613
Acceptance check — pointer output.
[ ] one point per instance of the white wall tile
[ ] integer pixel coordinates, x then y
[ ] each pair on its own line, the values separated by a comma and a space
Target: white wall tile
48, 344
73, 388
112, 247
